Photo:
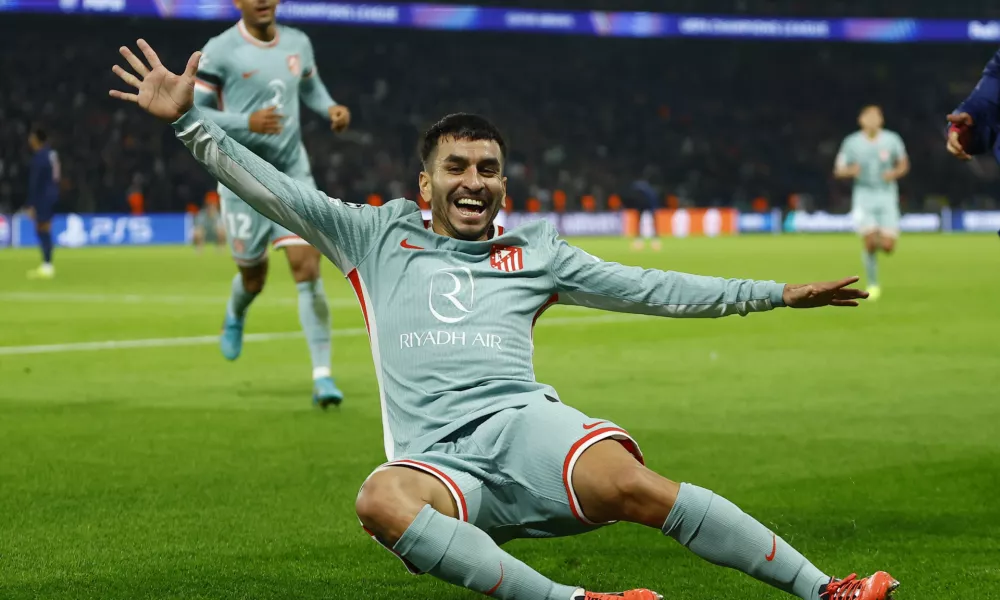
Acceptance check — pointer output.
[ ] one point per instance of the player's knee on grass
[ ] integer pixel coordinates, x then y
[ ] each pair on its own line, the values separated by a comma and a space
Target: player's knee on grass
613, 486
392, 498
888, 244
254, 278
43, 227
304, 262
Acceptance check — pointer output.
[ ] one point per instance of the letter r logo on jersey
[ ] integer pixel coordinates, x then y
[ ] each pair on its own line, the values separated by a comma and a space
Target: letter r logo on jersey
452, 294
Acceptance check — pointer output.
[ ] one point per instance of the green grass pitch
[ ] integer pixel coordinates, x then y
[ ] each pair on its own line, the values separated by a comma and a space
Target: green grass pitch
868, 438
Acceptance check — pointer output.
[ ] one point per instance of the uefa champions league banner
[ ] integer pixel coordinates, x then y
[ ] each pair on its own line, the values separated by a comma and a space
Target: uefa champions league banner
84, 230
975, 221
78, 231
945, 221
824, 222
575, 22
684, 222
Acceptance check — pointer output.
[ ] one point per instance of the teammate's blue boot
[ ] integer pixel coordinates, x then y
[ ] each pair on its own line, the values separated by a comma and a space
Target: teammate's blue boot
326, 392
231, 339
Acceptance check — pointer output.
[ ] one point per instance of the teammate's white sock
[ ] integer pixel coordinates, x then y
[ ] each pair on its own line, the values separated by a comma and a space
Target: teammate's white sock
871, 267
314, 315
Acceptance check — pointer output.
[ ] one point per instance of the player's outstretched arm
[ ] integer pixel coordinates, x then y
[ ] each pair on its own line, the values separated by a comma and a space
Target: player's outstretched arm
342, 234
584, 280
974, 123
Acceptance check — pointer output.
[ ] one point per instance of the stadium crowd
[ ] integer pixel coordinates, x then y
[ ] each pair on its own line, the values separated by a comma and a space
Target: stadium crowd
709, 123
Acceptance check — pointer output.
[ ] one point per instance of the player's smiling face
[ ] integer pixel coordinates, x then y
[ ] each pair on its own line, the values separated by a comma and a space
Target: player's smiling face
465, 186
257, 13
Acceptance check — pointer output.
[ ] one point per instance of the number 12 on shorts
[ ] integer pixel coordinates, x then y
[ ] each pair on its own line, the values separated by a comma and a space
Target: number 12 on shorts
239, 225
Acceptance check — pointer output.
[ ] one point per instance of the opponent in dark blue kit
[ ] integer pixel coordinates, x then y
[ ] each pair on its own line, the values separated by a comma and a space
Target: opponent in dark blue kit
43, 194
974, 123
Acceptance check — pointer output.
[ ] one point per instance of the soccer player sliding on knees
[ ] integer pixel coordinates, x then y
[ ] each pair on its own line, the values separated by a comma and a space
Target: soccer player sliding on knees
478, 451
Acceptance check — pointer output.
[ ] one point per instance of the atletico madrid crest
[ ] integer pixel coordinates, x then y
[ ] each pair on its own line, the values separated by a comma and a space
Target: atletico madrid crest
295, 64
507, 258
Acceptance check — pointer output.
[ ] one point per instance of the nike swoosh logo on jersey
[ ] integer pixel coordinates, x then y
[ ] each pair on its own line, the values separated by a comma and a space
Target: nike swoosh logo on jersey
774, 548
249, 74
406, 244
592, 425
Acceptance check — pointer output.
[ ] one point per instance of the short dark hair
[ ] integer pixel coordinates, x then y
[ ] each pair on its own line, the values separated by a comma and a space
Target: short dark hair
40, 134
868, 107
461, 126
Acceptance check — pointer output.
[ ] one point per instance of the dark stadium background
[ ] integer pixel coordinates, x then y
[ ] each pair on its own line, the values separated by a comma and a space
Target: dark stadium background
711, 122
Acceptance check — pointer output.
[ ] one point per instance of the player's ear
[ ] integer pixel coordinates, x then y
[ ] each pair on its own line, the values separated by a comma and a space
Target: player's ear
424, 182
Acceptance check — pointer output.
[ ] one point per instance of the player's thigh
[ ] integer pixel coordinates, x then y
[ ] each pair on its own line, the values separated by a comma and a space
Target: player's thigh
888, 224
396, 492
540, 453
611, 485
247, 231
304, 262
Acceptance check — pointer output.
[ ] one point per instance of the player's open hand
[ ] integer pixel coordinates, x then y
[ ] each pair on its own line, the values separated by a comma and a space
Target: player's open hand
161, 93
850, 171
831, 293
959, 135
340, 118
267, 121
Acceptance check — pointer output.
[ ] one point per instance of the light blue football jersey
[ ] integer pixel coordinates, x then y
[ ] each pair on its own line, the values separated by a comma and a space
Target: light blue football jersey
875, 156
239, 75
450, 321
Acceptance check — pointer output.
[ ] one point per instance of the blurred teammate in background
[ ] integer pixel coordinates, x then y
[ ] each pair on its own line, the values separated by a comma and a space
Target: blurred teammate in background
208, 226
875, 158
249, 81
43, 194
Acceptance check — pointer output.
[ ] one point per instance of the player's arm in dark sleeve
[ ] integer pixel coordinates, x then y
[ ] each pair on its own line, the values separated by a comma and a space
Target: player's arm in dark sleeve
311, 88
983, 105
584, 280
344, 233
208, 88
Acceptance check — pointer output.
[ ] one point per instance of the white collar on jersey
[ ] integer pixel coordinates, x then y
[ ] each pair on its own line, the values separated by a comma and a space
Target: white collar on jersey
242, 27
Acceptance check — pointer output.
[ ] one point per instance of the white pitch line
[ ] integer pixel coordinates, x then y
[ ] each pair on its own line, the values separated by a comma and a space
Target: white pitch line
203, 340
79, 298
